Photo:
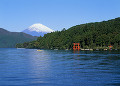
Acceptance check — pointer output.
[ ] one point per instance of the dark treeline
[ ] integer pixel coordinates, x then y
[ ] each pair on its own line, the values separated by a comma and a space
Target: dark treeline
90, 35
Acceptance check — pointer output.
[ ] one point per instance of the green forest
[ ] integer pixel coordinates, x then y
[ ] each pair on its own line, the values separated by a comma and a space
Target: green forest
90, 35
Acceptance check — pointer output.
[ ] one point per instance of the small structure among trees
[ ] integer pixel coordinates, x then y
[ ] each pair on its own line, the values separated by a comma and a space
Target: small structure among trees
110, 46
76, 46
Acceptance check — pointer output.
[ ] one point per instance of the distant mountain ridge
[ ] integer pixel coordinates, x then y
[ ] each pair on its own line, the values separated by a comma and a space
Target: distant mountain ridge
38, 30
34, 33
10, 39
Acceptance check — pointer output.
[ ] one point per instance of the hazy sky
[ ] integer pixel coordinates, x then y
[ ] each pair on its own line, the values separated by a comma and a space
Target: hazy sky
17, 15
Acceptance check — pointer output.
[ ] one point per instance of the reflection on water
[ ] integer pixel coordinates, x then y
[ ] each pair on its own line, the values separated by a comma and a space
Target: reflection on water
40, 65
29, 67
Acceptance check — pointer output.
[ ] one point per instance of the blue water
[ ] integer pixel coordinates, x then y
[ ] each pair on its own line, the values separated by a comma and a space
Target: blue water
29, 67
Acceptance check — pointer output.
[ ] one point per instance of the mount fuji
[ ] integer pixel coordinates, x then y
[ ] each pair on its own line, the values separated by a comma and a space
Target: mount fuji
38, 30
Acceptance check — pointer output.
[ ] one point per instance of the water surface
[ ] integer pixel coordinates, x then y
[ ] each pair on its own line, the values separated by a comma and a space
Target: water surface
29, 67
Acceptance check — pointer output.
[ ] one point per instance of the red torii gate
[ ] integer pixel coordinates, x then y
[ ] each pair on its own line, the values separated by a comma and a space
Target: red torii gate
76, 46
110, 46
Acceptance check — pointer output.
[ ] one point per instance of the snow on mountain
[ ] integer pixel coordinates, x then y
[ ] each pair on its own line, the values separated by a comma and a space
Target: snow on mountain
38, 30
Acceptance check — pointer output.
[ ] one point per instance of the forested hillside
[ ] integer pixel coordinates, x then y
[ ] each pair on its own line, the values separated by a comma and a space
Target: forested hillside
10, 39
89, 35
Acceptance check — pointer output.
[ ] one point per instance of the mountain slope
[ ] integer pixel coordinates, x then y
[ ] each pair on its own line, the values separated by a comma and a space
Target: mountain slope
10, 39
34, 33
38, 30
90, 35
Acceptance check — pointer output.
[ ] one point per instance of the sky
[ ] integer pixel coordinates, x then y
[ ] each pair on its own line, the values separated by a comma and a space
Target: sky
18, 15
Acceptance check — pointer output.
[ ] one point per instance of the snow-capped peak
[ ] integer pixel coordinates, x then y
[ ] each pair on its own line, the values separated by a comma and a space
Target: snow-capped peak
40, 28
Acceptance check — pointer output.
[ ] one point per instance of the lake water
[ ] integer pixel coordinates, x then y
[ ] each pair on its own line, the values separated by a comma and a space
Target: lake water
29, 67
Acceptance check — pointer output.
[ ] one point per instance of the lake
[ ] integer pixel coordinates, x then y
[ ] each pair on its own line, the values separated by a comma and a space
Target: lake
29, 67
